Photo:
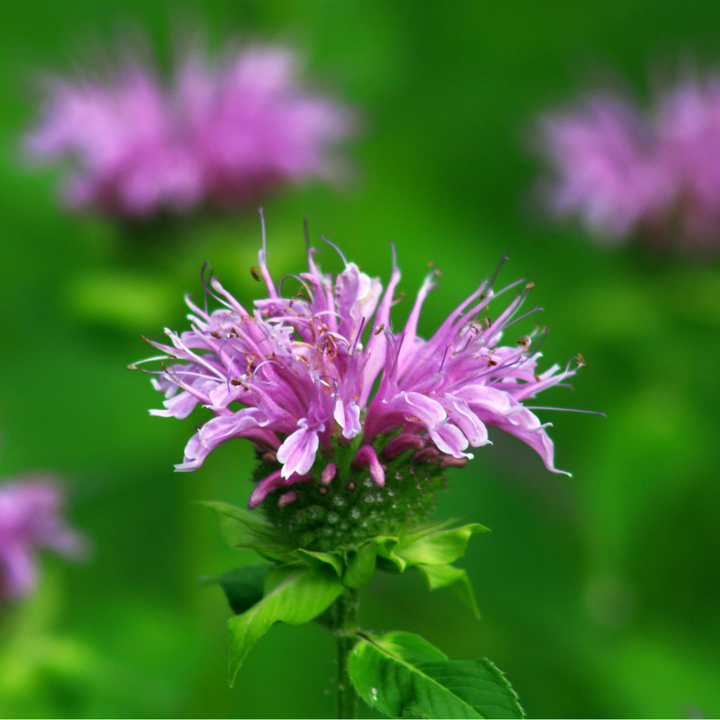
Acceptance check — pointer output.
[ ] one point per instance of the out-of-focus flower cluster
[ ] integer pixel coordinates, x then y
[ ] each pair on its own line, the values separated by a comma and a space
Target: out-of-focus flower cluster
31, 518
656, 174
309, 376
220, 134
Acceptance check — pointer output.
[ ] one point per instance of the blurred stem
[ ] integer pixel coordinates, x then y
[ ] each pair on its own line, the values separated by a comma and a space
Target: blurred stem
346, 625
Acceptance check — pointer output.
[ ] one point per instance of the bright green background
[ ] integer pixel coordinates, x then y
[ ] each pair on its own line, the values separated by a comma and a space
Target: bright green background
600, 594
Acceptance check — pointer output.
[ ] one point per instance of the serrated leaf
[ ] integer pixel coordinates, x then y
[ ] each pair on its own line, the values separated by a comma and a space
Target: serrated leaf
438, 548
454, 579
293, 595
316, 559
243, 587
360, 565
403, 675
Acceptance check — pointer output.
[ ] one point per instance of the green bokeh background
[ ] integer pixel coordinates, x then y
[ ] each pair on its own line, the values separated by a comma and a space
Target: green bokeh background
600, 593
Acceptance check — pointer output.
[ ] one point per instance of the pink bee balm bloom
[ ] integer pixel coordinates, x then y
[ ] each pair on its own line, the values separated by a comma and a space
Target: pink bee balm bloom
30, 518
607, 167
688, 127
321, 383
653, 174
218, 135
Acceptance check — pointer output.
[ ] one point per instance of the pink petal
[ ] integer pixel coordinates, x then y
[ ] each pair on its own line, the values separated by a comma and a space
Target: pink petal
297, 453
347, 416
366, 456
216, 431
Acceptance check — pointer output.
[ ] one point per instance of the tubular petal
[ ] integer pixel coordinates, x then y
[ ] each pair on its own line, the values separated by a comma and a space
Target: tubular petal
366, 456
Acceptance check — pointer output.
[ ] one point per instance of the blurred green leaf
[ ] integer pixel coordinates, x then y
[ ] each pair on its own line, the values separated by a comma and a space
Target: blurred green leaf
402, 675
121, 298
294, 595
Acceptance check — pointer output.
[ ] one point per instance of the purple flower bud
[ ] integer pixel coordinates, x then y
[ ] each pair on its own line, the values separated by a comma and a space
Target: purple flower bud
429, 454
287, 498
453, 462
367, 457
402, 443
328, 474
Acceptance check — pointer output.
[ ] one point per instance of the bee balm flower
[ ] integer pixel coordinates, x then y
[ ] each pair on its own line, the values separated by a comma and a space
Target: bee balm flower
218, 135
688, 127
334, 399
653, 174
30, 518
607, 167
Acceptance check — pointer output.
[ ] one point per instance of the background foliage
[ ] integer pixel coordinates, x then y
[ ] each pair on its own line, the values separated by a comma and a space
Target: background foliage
600, 594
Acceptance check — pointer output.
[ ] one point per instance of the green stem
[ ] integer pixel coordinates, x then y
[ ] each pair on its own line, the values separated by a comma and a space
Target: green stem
346, 625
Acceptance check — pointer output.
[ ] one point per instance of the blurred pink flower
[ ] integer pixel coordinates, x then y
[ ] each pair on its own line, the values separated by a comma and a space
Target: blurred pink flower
607, 167
688, 129
303, 368
656, 174
30, 518
220, 134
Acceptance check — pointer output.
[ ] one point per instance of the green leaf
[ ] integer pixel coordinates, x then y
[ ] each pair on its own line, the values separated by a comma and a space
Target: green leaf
452, 578
426, 529
403, 675
386, 549
293, 595
360, 565
316, 559
244, 529
238, 526
437, 548
242, 586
